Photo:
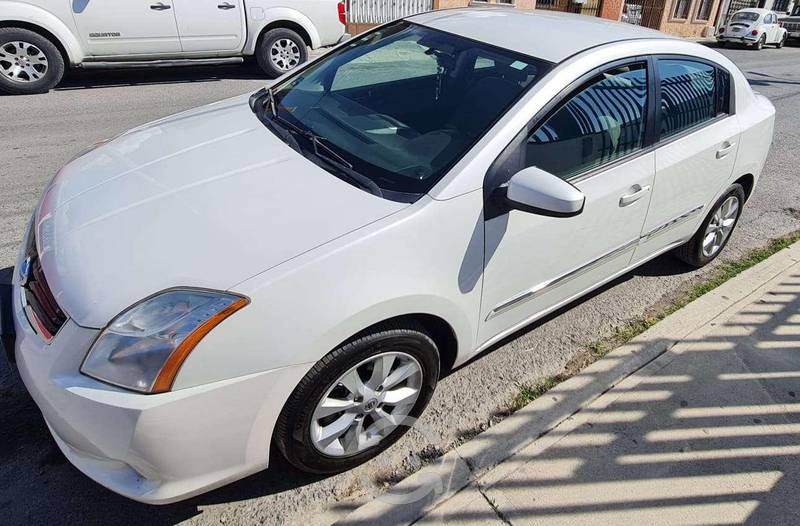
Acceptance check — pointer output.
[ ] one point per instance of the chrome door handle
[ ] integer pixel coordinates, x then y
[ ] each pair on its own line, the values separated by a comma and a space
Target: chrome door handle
639, 192
160, 7
226, 6
725, 150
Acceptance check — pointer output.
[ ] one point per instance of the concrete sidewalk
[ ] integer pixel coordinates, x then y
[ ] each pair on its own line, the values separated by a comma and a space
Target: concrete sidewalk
707, 433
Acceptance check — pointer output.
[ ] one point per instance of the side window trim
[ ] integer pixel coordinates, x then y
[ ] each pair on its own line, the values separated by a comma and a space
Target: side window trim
658, 142
508, 162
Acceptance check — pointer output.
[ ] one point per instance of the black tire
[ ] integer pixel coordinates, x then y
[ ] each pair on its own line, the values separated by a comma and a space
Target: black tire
692, 251
292, 433
722, 43
781, 43
264, 49
55, 62
760, 44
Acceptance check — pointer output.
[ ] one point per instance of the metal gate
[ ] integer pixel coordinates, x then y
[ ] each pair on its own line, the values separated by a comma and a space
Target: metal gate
381, 11
583, 7
645, 13
736, 5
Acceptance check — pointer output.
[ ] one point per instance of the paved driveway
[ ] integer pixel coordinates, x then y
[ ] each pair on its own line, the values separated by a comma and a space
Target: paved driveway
40, 133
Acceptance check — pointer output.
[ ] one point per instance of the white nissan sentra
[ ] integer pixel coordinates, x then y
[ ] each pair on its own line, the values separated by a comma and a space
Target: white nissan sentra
299, 267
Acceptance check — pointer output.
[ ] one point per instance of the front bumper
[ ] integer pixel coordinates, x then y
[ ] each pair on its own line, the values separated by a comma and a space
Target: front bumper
155, 449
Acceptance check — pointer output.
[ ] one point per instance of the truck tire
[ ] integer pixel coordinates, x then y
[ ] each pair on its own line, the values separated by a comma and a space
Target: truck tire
29, 62
280, 51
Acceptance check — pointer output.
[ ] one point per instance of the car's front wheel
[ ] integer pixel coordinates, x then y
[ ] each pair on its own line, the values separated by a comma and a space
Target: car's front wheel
359, 399
716, 229
280, 51
29, 63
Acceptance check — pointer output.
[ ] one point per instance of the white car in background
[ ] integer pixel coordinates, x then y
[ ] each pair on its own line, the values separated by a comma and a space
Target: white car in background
39, 39
299, 268
753, 27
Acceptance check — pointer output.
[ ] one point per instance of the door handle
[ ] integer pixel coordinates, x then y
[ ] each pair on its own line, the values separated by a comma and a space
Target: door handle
638, 193
727, 146
160, 7
226, 6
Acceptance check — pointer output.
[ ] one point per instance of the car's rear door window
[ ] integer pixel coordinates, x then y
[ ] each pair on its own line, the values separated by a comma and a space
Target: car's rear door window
688, 95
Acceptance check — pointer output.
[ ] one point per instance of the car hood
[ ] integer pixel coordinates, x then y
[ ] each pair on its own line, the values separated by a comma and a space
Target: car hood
207, 198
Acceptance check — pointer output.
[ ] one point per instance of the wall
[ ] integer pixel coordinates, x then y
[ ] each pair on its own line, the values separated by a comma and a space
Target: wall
690, 27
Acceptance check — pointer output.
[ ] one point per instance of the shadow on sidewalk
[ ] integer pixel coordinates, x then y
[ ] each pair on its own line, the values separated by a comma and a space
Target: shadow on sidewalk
710, 438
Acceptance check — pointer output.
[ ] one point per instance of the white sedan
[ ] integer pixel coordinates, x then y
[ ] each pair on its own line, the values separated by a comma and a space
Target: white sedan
753, 27
299, 268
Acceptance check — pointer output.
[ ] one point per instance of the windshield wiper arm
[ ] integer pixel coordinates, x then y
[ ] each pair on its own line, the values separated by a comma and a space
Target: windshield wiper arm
333, 159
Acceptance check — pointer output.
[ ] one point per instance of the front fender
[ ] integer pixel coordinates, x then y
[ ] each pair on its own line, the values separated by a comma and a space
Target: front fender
425, 259
260, 17
36, 16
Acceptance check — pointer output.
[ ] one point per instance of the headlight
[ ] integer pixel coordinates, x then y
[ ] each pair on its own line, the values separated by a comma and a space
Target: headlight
144, 347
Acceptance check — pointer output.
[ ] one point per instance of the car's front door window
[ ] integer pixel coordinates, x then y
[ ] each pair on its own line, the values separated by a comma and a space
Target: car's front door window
603, 121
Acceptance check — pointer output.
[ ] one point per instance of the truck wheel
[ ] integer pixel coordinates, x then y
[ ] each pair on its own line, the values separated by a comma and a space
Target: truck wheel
29, 63
280, 51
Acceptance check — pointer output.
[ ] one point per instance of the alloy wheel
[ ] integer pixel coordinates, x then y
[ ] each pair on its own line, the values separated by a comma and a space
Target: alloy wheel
365, 404
285, 54
720, 226
22, 62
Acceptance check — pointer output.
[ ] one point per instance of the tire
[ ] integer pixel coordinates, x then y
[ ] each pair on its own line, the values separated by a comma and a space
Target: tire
288, 44
781, 43
761, 41
412, 346
692, 252
722, 43
49, 70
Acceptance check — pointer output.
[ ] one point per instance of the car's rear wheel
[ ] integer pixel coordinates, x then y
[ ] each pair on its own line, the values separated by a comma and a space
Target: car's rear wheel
29, 63
359, 399
761, 41
781, 43
716, 229
280, 51
722, 43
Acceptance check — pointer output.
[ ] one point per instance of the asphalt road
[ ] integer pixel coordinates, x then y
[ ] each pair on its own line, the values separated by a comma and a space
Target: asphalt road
40, 133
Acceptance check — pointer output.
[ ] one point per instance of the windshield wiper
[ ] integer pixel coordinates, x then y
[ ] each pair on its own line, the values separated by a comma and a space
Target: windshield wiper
331, 158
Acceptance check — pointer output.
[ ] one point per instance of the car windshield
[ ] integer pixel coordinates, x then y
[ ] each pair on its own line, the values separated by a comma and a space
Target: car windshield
399, 106
745, 17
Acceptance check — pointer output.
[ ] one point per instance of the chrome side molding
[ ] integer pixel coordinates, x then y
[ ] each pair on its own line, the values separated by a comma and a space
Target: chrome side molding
543, 287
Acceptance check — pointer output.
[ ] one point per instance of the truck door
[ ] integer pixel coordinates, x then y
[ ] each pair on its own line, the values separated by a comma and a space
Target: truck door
129, 27
216, 26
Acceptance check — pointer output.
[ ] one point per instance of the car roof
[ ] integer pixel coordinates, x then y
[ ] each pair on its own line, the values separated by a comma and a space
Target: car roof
756, 10
548, 35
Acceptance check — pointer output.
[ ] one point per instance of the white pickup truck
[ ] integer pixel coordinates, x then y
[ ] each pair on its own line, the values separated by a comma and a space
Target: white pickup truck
39, 39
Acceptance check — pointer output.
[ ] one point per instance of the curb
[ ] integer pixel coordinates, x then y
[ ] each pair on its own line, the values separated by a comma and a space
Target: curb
416, 495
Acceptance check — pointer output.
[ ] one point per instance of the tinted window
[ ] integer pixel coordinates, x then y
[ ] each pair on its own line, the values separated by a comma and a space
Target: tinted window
401, 104
723, 91
687, 95
603, 121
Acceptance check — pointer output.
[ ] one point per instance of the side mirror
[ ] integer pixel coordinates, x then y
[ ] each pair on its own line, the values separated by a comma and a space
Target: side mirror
538, 192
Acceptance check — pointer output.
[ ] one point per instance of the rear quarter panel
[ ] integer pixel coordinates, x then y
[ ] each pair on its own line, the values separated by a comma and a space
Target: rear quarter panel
319, 19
